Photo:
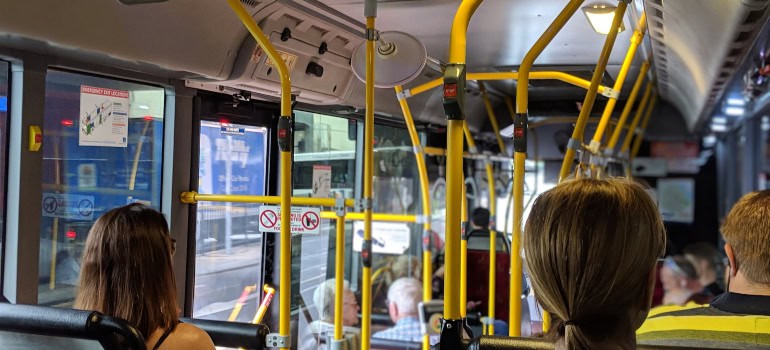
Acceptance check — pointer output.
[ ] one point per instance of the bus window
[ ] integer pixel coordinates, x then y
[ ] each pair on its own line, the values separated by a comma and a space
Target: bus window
103, 149
325, 166
228, 256
3, 152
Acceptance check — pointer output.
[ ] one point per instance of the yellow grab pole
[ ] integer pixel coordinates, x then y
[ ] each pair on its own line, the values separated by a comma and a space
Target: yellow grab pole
351, 216
636, 40
193, 197
642, 128
540, 75
339, 273
647, 108
492, 118
269, 294
492, 280
285, 145
464, 255
370, 12
240, 302
613, 141
588, 102
637, 117
454, 102
520, 121
422, 172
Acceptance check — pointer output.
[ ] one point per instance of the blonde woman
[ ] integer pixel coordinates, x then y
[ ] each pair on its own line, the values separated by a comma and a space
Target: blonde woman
591, 248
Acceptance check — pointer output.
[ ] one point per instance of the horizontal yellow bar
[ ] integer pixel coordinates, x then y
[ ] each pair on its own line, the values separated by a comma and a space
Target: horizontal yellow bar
375, 217
194, 197
435, 151
544, 75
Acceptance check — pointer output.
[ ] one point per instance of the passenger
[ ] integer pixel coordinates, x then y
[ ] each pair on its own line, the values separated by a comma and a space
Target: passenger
406, 266
739, 318
127, 272
480, 219
708, 264
321, 331
574, 234
680, 282
404, 295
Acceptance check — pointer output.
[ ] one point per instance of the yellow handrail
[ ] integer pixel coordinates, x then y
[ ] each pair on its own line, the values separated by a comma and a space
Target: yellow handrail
628, 106
520, 156
192, 197
422, 172
492, 118
339, 273
383, 217
285, 140
588, 102
636, 40
642, 128
488, 76
454, 178
366, 298
637, 117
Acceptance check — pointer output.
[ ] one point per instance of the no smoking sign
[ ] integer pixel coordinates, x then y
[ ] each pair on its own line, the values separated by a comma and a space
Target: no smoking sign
304, 220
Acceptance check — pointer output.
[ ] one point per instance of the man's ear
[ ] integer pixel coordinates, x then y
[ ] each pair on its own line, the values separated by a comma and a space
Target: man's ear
733, 268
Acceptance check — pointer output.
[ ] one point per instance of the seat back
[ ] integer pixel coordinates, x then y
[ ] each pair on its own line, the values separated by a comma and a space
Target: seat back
513, 343
478, 281
42, 321
232, 334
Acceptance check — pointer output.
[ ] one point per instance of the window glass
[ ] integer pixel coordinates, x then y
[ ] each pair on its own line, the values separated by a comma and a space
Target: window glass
3, 154
228, 256
103, 149
325, 166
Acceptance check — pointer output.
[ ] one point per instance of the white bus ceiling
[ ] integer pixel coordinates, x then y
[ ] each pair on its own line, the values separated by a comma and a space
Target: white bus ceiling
696, 45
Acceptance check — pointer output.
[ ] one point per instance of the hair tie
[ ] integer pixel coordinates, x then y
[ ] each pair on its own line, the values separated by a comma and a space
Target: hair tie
569, 323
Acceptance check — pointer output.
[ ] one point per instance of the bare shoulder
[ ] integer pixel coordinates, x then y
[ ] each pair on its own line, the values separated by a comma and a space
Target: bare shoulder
189, 337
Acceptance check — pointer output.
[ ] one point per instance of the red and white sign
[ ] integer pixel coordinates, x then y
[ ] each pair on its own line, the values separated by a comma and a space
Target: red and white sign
304, 220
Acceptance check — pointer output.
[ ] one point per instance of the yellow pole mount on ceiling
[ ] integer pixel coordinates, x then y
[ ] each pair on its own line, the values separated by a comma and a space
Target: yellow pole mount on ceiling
282, 339
454, 103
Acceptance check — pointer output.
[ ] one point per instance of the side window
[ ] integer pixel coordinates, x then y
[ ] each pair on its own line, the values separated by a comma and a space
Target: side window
4, 66
102, 149
228, 256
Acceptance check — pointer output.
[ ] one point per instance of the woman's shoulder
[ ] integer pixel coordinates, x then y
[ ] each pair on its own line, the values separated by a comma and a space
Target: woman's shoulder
189, 337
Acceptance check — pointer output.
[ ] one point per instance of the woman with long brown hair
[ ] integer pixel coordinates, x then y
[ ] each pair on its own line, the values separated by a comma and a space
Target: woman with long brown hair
127, 272
591, 248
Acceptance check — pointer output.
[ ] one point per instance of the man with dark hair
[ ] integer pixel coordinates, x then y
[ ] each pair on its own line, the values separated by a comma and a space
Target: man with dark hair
707, 262
739, 318
480, 219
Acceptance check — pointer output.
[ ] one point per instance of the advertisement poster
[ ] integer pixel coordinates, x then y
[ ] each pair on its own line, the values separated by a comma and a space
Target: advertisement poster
676, 200
232, 159
387, 237
322, 181
103, 117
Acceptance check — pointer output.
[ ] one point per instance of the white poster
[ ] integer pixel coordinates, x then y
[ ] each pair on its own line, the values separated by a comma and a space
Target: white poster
387, 237
304, 220
103, 117
322, 181
676, 200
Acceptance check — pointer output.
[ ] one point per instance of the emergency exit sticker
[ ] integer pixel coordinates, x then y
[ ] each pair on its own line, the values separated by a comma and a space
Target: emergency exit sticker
304, 220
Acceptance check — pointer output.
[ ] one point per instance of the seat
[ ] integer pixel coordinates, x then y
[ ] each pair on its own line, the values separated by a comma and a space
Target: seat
41, 327
478, 271
232, 334
513, 343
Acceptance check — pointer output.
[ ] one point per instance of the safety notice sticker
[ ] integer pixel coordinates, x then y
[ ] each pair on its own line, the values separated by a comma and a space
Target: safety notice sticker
68, 206
304, 220
103, 117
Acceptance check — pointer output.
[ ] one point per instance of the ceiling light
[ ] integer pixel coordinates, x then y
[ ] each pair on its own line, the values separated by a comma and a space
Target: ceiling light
735, 111
600, 16
736, 102
143, 107
718, 127
719, 120
709, 141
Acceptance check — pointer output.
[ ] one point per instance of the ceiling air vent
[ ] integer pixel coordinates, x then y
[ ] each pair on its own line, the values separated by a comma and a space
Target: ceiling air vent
250, 3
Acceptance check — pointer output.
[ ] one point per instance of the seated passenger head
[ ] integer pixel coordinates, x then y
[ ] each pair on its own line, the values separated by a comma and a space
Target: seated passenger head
404, 295
747, 244
323, 299
126, 269
706, 260
591, 248
677, 273
480, 218
406, 266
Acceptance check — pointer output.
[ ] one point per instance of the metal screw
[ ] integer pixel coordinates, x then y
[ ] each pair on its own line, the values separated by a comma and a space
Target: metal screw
449, 326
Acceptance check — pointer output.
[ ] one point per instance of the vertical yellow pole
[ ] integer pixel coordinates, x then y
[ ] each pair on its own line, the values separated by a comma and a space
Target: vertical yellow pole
285, 145
637, 117
613, 141
454, 90
643, 128
339, 273
464, 255
636, 40
647, 109
588, 102
422, 172
366, 299
520, 121
492, 118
